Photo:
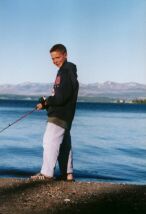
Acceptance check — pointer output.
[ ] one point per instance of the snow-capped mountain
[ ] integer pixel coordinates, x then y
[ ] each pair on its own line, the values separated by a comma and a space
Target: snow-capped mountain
110, 89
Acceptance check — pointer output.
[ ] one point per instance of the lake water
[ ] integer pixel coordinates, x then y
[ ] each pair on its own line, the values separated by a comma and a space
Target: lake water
109, 141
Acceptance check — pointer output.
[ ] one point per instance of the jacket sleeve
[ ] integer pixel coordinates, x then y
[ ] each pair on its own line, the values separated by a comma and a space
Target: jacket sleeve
63, 90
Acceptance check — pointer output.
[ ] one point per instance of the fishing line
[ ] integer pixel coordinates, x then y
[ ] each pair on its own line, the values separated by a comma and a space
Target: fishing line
22, 117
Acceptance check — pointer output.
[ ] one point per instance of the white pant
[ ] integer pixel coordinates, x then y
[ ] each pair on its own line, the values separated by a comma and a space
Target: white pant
57, 146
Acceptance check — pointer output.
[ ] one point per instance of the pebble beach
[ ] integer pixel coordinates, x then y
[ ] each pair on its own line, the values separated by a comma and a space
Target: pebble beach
27, 196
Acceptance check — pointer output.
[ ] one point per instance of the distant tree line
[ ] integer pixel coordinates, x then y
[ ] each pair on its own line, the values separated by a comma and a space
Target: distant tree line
140, 101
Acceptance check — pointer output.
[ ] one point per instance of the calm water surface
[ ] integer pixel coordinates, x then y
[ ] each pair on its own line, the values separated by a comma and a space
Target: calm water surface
109, 141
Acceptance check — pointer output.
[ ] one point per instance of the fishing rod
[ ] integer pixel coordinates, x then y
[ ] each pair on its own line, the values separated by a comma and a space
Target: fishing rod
22, 117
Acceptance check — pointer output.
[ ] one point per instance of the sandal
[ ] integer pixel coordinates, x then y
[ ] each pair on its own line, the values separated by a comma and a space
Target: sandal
70, 180
40, 176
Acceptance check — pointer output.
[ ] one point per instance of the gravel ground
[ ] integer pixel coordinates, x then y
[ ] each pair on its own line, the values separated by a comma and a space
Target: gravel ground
38, 197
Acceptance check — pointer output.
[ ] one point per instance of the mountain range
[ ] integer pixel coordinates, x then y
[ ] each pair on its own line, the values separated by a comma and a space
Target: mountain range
108, 89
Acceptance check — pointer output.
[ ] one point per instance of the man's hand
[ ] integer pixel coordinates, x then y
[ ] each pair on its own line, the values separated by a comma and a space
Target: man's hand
39, 106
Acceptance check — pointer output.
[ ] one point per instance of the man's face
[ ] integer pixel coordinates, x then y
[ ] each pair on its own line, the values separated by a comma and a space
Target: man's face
58, 58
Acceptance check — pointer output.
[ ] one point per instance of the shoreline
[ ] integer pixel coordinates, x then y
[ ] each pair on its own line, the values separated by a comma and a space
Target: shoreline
25, 196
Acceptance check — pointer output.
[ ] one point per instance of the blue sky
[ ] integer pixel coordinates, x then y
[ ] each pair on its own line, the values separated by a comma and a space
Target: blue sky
105, 38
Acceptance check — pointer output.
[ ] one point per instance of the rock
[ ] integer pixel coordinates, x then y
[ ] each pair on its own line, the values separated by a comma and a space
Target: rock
67, 200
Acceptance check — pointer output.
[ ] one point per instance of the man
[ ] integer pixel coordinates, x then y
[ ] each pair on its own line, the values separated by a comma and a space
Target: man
60, 107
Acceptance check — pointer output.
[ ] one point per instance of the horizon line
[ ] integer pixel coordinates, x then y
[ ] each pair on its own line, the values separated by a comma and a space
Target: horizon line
107, 81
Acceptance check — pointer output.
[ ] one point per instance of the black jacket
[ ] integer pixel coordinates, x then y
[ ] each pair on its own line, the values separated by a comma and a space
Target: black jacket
63, 103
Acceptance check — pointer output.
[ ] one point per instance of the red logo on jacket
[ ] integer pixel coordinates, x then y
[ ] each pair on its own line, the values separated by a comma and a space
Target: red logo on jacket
58, 80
